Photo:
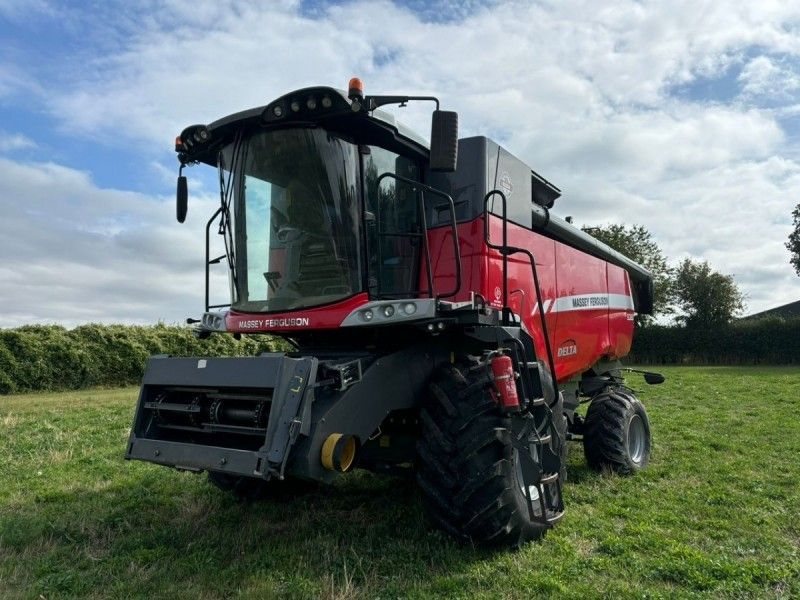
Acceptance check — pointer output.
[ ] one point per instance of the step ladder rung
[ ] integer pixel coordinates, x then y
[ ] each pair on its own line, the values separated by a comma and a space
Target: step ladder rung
547, 479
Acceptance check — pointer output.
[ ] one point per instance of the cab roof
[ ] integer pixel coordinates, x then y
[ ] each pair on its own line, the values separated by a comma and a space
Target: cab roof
313, 106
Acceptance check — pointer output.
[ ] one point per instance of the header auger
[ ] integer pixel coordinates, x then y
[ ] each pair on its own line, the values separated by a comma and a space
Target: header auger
447, 326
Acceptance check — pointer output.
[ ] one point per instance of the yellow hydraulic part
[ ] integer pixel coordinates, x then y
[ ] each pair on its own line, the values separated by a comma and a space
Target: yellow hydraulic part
339, 452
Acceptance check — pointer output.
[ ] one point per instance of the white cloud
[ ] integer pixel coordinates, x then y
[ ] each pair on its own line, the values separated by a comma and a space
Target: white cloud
15, 82
578, 89
512, 66
738, 224
74, 252
10, 142
764, 76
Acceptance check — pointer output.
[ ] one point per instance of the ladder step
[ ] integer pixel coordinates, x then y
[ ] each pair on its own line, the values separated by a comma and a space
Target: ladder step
555, 518
547, 479
537, 402
545, 439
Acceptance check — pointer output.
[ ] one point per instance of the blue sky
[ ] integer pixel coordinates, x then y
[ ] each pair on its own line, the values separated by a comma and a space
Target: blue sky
683, 117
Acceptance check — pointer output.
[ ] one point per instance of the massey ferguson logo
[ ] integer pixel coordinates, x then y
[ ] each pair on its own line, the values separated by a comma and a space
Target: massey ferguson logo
506, 184
261, 323
589, 301
568, 348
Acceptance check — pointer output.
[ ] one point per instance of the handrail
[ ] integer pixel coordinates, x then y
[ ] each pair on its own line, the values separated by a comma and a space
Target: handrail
420, 188
208, 258
506, 250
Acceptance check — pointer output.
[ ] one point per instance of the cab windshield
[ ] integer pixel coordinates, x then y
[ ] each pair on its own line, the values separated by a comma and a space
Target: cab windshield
295, 220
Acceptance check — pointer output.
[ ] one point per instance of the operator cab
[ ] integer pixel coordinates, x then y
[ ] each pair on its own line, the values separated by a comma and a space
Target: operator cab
320, 198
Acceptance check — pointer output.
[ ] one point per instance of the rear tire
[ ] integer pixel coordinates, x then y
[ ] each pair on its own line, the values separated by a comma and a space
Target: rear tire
468, 469
616, 432
252, 489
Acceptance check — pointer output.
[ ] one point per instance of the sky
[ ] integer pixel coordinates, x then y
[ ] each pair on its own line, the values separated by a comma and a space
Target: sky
681, 116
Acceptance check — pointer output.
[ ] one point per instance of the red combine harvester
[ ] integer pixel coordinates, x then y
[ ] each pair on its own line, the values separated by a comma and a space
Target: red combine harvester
446, 325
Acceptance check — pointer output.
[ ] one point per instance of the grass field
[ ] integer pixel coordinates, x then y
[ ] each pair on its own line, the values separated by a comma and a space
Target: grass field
716, 514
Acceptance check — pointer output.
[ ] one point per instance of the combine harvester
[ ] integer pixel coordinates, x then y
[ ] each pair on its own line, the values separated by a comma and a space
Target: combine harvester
446, 326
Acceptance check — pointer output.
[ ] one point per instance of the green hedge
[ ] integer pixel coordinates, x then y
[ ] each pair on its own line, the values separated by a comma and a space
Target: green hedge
50, 357
759, 341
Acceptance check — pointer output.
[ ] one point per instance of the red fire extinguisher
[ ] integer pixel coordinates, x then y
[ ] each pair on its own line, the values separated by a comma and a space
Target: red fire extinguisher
505, 384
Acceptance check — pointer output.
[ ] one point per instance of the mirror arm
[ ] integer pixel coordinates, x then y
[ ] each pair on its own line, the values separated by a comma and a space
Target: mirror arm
649, 376
373, 102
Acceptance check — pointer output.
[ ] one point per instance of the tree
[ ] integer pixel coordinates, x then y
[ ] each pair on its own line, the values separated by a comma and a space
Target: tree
636, 243
793, 245
707, 298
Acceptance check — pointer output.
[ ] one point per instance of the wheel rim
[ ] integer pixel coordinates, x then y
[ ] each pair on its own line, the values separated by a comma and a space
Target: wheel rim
637, 439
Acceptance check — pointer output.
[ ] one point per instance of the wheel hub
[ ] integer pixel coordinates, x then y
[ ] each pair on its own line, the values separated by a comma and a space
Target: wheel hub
636, 439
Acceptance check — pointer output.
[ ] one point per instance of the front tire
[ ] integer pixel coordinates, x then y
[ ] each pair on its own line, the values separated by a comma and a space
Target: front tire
469, 472
616, 433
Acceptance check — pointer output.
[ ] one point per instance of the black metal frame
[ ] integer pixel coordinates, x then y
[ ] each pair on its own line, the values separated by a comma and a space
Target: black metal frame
279, 380
373, 102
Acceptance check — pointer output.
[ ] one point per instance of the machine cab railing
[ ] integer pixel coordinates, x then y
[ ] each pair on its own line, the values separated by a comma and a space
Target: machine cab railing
418, 234
212, 261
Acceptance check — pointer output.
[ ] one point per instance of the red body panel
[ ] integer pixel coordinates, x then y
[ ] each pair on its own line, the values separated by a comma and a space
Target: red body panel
587, 302
329, 316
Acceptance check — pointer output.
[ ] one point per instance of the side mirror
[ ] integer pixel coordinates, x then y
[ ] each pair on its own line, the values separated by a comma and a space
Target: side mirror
182, 199
653, 378
444, 141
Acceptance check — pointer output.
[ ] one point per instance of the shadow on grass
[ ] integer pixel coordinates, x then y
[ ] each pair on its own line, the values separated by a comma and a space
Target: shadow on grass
580, 473
158, 528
